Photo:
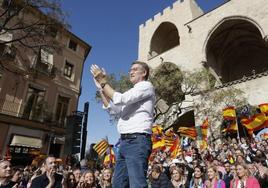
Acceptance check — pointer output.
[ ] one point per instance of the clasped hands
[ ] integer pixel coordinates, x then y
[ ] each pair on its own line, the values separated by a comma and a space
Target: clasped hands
99, 75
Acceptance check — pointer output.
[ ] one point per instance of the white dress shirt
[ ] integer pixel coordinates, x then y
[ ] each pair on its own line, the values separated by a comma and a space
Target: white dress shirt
134, 109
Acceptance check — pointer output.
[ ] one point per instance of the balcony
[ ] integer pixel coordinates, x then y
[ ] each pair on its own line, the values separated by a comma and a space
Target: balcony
45, 69
38, 113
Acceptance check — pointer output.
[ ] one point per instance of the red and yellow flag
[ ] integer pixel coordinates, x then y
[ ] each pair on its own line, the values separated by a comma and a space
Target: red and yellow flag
101, 147
231, 128
264, 108
175, 148
204, 129
188, 132
157, 137
229, 113
255, 123
109, 158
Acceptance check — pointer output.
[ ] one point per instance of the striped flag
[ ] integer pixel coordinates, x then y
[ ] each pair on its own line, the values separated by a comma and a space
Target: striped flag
229, 113
101, 147
231, 128
255, 123
264, 108
109, 159
175, 148
189, 132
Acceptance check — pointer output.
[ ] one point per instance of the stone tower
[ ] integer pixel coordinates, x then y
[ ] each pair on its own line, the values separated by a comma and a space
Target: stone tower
231, 40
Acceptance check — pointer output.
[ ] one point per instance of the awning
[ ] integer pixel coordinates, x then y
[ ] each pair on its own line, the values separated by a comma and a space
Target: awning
26, 141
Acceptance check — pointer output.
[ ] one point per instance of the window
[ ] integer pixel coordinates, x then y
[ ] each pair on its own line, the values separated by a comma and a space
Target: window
33, 108
68, 69
46, 57
62, 108
72, 45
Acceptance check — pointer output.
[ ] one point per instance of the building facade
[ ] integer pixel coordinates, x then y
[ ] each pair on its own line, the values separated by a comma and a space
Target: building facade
231, 41
37, 94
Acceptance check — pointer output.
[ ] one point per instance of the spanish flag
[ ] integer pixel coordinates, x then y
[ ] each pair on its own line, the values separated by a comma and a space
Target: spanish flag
264, 108
231, 128
157, 137
255, 123
101, 147
229, 113
204, 128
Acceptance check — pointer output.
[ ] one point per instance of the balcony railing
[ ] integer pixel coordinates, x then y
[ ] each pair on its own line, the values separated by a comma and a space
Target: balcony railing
45, 69
35, 113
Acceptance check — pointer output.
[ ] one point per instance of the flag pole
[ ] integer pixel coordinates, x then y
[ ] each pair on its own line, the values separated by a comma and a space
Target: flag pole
238, 136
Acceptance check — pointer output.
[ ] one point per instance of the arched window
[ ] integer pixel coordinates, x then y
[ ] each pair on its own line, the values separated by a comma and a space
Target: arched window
236, 49
164, 38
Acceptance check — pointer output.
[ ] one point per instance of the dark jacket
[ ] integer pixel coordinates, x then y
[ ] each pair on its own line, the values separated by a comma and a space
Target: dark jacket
161, 182
42, 181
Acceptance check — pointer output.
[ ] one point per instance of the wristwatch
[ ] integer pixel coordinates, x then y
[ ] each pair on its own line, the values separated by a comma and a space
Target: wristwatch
103, 85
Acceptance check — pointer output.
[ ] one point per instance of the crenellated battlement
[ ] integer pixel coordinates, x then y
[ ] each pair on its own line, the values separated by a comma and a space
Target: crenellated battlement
158, 16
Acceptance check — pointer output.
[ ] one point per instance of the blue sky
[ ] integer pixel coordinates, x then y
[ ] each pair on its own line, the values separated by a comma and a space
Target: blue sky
111, 28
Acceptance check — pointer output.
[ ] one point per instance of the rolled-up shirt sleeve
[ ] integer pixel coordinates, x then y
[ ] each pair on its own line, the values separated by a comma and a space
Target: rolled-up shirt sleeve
139, 92
113, 109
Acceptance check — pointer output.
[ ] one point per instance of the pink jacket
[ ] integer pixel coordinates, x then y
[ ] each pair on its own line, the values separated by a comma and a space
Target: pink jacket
251, 182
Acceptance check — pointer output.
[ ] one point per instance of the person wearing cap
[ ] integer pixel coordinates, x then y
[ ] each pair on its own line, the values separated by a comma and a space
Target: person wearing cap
134, 110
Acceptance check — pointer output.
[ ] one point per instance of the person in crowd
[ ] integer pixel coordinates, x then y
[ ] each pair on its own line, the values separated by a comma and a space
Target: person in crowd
77, 175
228, 176
17, 176
261, 172
83, 166
197, 180
89, 180
159, 179
6, 174
106, 178
178, 179
97, 176
134, 110
50, 178
213, 178
71, 180
243, 179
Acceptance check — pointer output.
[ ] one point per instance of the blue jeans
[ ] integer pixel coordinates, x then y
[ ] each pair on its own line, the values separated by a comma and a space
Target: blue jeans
132, 162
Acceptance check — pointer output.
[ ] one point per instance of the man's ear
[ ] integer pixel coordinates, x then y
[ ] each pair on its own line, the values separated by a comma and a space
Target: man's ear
144, 73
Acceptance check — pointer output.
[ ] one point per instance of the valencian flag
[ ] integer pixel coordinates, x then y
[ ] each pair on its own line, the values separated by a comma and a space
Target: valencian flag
189, 132
101, 147
264, 108
170, 137
255, 123
175, 148
229, 113
109, 159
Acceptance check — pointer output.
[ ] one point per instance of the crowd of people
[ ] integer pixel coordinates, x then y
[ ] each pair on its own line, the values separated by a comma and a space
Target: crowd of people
231, 164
